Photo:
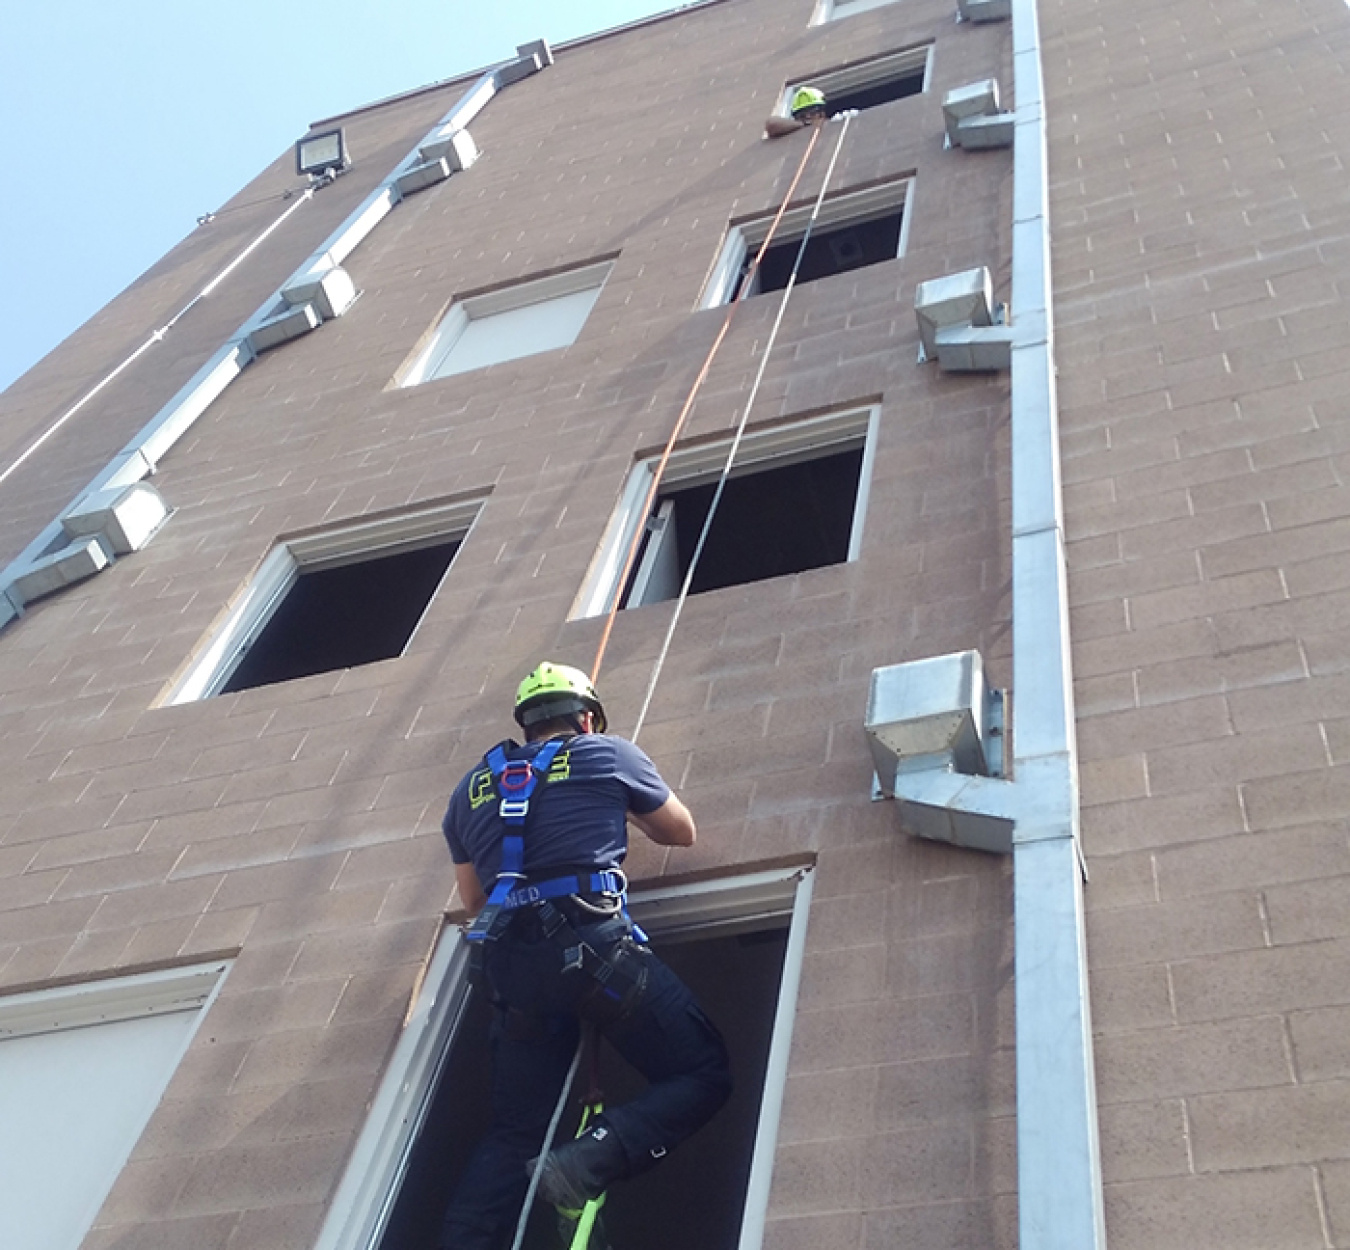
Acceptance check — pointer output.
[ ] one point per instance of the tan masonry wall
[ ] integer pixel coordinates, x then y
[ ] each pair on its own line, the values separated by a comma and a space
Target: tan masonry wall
296, 826
1198, 167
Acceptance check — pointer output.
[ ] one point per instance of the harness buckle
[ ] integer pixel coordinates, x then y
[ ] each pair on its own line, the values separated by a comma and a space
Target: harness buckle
513, 809
516, 776
611, 881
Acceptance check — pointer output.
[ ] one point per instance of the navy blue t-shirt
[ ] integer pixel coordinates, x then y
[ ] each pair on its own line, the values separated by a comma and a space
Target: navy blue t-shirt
577, 813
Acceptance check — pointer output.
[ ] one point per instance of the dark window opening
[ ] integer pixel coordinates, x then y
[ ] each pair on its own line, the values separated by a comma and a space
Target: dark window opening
869, 95
345, 616
831, 251
769, 523
696, 1197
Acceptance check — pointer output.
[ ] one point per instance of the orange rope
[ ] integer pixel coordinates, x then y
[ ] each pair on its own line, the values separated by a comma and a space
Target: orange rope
635, 545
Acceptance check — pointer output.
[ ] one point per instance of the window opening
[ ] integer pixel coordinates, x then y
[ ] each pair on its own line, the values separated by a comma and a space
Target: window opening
340, 598
868, 84
738, 943
516, 321
697, 1196
829, 252
82, 1069
853, 230
881, 93
344, 617
833, 10
770, 523
795, 501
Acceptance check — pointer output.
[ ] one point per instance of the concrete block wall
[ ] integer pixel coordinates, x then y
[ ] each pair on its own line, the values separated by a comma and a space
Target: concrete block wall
1199, 210
295, 827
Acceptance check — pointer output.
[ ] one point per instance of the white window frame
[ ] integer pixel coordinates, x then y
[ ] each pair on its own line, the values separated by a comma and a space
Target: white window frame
870, 73
369, 1188
428, 364
829, 10
371, 538
165, 990
190, 988
847, 208
766, 448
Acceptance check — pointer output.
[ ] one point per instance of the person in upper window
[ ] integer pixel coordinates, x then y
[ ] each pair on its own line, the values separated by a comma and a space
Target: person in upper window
538, 834
807, 108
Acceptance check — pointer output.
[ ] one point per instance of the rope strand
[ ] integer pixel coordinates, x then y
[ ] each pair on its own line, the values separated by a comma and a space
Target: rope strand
746, 282
156, 336
635, 543
546, 1147
736, 440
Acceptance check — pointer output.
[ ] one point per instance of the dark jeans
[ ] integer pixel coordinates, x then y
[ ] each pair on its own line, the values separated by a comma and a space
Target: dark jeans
666, 1037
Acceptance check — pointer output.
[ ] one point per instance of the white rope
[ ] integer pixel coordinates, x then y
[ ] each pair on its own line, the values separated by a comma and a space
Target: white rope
674, 620
736, 440
155, 337
547, 1146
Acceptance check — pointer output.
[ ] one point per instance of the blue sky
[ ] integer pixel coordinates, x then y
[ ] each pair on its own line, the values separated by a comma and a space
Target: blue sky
121, 122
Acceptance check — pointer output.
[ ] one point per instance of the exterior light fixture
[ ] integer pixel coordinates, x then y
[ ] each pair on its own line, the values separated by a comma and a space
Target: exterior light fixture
322, 155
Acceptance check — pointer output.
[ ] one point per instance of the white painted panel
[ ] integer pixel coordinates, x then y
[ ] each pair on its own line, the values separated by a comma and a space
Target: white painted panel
846, 8
658, 576
519, 332
73, 1104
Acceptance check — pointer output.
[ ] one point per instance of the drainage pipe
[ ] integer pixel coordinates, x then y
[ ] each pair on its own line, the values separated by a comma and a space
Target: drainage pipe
1058, 1155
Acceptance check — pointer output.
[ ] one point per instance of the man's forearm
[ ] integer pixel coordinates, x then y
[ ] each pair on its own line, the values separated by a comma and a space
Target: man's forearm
670, 825
470, 889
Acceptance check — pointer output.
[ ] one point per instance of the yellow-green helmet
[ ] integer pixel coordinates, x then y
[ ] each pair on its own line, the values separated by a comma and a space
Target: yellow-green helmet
554, 690
804, 99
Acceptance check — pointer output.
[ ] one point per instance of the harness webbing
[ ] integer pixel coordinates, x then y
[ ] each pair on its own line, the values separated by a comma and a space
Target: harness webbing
514, 781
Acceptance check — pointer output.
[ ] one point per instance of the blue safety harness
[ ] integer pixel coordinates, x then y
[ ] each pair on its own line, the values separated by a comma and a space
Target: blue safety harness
515, 782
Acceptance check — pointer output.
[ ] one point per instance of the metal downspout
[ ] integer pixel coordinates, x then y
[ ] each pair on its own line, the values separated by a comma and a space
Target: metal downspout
1059, 1163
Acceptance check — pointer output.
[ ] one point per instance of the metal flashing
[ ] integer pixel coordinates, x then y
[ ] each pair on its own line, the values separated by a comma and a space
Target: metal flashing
125, 517
974, 349
327, 286
963, 300
419, 177
1060, 1199
978, 134
74, 563
279, 319
1035, 814
456, 150
984, 10
281, 327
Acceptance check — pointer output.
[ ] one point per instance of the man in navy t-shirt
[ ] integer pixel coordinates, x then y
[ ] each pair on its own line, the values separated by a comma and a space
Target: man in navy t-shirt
558, 947
594, 785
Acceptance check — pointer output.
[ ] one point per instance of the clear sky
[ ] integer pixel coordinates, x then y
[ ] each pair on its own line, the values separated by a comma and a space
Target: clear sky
123, 120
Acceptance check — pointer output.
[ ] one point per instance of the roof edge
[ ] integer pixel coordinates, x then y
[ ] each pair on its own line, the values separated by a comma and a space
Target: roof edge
468, 75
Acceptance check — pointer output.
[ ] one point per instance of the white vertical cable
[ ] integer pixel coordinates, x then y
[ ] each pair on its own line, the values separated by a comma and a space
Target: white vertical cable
547, 1146
154, 338
740, 432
